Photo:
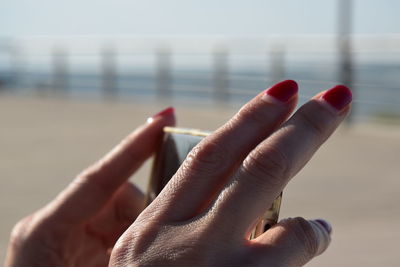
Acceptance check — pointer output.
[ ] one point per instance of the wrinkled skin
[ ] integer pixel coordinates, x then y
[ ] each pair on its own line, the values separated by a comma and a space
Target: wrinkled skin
205, 213
81, 226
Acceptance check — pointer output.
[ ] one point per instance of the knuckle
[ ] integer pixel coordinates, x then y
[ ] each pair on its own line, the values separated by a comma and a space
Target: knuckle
121, 252
251, 113
269, 169
90, 178
206, 158
305, 236
127, 148
19, 231
312, 123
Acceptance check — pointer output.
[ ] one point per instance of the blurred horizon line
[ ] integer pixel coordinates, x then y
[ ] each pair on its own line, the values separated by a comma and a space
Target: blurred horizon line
385, 43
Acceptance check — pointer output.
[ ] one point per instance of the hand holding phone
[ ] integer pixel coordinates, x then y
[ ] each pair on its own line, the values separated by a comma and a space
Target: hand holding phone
175, 146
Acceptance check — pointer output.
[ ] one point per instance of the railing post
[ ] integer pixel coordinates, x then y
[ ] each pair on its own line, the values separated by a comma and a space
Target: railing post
345, 65
277, 64
60, 81
163, 73
221, 74
109, 72
15, 65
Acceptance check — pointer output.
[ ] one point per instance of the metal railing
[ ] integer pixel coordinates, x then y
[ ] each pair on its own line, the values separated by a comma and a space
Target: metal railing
217, 71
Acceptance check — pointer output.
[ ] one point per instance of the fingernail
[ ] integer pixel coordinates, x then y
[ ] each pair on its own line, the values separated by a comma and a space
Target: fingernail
325, 224
282, 91
338, 97
165, 112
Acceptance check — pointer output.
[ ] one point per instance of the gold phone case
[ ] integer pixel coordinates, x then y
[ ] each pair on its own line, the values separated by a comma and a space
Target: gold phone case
176, 144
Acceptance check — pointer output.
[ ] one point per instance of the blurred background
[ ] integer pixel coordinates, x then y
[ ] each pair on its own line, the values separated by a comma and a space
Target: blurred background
75, 77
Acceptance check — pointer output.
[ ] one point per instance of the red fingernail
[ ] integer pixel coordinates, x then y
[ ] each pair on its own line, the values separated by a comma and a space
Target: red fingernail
327, 226
338, 97
283, 91
165, 112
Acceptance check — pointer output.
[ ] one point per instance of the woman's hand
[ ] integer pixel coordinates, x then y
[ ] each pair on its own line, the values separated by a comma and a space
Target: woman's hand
81, 226
204, 215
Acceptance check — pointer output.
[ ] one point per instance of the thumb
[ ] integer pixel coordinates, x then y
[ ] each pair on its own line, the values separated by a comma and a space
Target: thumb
293, 242
95, 186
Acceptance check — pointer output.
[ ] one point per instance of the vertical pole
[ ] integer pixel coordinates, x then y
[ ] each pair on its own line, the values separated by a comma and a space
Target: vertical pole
164, 73
277, 64
109, 72
221, 74
60, 70
344, 47
15, 65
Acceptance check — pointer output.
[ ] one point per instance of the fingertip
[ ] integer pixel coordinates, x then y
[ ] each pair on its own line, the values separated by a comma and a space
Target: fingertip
323, 230
281, 92
337, 99
165, 117
325, 224
297, 239
165, 112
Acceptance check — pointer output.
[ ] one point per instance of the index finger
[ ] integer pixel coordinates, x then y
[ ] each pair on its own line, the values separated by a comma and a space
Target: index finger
208, 166
91, 190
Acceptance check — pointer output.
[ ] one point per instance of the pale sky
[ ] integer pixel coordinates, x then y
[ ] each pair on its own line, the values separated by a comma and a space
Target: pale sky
189, 17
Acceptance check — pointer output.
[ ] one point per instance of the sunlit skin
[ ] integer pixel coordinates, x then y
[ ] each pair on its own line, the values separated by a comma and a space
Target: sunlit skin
204, 214
81, 226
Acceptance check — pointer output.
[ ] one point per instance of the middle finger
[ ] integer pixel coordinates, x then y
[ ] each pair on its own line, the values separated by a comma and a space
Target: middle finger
268, 168
210, 163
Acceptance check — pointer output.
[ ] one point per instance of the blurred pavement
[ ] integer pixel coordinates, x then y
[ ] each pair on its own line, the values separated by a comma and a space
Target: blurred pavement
353, 181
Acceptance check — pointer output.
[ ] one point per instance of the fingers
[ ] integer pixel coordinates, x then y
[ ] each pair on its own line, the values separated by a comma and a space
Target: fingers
119, 213
91, 190
211, 162
269, 167
292, 242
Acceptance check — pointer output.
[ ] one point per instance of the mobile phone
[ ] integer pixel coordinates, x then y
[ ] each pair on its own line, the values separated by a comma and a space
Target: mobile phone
176, 144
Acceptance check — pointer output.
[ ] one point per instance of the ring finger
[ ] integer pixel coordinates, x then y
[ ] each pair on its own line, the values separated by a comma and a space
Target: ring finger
268, 168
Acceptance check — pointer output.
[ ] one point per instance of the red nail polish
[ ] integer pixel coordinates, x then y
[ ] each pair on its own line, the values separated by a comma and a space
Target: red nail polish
165, 112
283, 91
338, 97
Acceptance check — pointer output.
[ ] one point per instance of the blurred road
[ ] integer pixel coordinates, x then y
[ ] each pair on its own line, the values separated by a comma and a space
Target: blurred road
353, 181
